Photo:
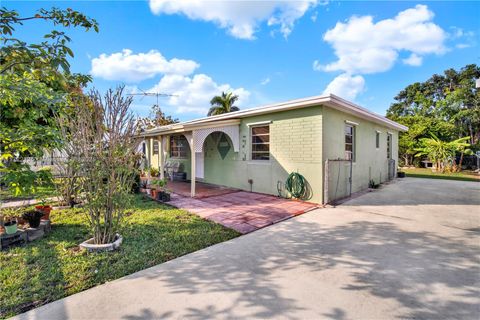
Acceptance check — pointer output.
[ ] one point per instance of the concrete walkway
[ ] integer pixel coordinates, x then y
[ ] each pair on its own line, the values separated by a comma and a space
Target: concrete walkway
408, 250
25, 202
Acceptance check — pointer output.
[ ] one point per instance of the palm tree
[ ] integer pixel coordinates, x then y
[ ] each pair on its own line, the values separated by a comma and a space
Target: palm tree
223, 104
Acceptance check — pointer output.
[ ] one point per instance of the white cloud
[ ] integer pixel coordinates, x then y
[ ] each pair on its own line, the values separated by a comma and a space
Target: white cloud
240, 18
466, 38
363, 46
346, 86
265, 81
463, 45
193, 94
129, 67
413, 60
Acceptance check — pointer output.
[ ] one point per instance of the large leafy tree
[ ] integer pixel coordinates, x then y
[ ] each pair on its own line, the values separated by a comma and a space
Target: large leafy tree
446, 105
223, 103
35, 84
156, 118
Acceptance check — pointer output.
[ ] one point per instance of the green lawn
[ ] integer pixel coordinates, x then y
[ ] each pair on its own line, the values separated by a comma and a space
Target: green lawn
53, 267
428, 173
41, 192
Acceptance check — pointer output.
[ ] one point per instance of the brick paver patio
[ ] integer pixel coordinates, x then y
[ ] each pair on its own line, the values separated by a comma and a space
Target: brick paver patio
243, 211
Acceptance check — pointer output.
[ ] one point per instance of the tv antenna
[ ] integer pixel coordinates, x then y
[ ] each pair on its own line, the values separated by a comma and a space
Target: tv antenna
152, 94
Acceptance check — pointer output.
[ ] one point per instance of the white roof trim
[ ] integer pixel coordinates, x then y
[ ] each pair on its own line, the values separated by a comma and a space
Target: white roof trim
351, 122
259, 123
330, 100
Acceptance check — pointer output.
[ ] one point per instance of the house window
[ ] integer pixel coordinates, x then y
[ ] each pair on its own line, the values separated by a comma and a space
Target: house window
144, 148
178, 147
261, 142
155, 147
349, 142
377, 139
389, 146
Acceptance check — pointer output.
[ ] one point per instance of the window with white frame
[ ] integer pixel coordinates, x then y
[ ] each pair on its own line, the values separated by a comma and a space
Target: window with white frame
155, 147
178, 146
377, 139
350, 142
260, 142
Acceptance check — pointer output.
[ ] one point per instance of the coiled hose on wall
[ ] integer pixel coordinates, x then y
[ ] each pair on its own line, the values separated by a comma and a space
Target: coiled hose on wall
296, 185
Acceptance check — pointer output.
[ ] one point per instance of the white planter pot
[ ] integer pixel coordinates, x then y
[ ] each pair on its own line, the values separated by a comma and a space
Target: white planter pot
92, 247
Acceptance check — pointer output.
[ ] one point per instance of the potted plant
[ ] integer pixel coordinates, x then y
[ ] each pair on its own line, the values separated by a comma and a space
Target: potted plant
373, 185
11, 226
10, 221
143, 186
45, 209
33, 218
153, 190
163, 194
154, 172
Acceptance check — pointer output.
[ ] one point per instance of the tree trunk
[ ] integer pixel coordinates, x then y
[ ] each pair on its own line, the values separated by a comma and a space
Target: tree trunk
459, 168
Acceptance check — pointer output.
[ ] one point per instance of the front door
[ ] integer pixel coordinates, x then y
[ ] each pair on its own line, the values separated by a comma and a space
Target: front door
199, 165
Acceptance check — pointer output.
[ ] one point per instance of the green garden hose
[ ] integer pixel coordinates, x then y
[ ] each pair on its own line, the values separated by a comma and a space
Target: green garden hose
296, 185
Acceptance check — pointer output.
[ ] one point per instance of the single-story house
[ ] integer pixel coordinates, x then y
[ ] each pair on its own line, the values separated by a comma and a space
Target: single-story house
338, 147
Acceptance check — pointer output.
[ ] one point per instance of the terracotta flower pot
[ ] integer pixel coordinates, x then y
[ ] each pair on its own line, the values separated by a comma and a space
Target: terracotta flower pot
46, 211
154, 193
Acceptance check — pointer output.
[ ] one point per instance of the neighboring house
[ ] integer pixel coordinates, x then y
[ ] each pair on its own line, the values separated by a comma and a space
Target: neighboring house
256, 149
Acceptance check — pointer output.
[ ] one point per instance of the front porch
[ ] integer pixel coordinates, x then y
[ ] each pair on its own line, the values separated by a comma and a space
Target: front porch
177, 150
202, 190
239, 210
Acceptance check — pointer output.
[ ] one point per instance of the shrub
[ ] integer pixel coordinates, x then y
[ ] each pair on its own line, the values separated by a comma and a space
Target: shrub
103, 138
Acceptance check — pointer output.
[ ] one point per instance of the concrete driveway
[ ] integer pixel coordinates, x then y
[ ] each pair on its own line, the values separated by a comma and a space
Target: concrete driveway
408, 250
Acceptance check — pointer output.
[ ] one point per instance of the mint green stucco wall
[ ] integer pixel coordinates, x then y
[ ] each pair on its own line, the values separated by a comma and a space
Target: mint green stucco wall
370, 162
295, 145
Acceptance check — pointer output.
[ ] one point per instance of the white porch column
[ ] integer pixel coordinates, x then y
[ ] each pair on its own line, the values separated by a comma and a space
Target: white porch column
161, 156
149, 152
192, 161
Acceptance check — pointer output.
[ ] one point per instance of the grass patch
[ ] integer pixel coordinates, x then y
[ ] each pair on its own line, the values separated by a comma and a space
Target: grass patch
427, 173
53, 267
41, 192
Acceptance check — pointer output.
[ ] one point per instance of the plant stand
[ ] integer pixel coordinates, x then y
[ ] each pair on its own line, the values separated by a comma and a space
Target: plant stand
23, 236
37, 233
8, 240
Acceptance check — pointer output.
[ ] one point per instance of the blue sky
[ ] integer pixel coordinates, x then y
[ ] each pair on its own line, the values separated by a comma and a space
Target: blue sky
270, 51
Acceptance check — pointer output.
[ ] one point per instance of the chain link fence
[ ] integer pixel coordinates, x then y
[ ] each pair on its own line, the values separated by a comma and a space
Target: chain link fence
337, 180
53, 163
